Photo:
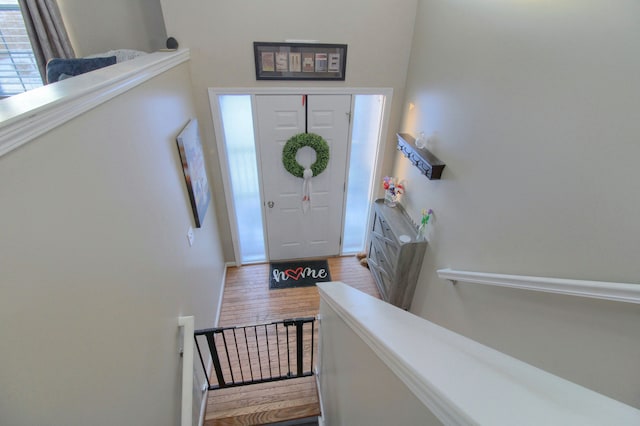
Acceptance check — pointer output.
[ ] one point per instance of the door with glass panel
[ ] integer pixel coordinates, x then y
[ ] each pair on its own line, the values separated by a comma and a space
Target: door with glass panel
249, 125
293, 232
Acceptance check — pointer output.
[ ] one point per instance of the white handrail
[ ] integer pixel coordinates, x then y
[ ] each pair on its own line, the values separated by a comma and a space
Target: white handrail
187, 369
462, 382
26, 116
621, 292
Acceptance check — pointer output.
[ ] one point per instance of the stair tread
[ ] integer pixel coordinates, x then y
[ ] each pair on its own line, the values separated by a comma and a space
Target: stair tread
228, 401
267, 417
276, 406
264, 403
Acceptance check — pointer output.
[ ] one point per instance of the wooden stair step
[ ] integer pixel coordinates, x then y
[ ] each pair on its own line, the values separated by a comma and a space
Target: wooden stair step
268, 413
263, 403
234, 401
267, 417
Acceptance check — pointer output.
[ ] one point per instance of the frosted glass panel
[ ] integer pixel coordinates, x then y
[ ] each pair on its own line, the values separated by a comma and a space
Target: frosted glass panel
237, 121
364, 142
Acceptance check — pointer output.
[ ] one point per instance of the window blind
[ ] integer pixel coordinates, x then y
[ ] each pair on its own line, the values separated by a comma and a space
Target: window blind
18, 68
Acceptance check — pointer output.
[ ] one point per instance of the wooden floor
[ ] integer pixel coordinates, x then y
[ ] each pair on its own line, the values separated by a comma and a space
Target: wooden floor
247, 300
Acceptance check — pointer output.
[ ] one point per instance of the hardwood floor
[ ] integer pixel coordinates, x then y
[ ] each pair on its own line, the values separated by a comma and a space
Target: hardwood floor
247, 300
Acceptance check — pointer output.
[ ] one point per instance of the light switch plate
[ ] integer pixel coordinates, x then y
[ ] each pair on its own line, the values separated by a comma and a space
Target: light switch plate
190, 236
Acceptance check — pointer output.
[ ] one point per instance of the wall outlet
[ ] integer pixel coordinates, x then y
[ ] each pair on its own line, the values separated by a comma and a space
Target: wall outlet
190, 236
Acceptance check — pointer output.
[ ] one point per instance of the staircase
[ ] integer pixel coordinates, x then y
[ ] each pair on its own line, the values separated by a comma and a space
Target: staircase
262, 374
247, 300
280, 402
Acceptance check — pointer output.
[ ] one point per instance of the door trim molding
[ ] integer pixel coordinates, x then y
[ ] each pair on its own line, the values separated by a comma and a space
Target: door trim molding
214, 92
386, 91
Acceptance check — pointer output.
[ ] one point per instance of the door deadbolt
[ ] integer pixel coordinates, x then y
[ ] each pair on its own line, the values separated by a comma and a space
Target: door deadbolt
270, 204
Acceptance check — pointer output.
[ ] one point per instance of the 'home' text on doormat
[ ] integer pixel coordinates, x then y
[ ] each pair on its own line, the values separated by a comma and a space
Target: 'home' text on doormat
298, 274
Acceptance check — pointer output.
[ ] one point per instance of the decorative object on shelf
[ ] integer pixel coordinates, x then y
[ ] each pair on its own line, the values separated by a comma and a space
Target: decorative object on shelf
172, 43
422, 229
320, 146
390, 199
392, 191
300, 61
428, 164
421, 141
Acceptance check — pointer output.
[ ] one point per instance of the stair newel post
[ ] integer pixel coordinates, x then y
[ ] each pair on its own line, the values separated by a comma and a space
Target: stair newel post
215, 358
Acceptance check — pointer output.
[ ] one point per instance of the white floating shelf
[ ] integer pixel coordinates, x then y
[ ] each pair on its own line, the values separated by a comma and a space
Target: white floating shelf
620, 292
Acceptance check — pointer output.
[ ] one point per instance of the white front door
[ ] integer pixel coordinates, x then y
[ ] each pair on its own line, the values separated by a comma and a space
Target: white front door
292, 233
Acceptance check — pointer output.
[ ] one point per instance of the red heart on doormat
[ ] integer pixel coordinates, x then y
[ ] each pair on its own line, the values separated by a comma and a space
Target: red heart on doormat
294, 274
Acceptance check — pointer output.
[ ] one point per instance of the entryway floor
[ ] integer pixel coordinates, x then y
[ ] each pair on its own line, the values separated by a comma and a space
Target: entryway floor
247, 300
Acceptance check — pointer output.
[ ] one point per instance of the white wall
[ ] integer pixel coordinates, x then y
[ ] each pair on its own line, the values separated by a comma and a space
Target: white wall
221, 33
357, 387
99, 26
96, 267
536, 105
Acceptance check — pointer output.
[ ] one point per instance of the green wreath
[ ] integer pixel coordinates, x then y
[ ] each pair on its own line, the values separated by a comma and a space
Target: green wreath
313, 141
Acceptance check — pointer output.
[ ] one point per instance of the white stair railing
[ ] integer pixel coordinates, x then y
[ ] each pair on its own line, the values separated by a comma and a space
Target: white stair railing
621, 292
458, 380
187, 325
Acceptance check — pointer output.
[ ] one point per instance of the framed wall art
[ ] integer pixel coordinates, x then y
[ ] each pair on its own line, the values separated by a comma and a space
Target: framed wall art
300, 61
195, 174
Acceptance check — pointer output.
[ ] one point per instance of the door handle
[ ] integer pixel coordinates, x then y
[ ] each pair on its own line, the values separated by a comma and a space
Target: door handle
270, 204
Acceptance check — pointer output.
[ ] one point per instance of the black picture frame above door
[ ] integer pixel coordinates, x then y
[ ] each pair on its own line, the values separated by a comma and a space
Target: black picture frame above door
300, 61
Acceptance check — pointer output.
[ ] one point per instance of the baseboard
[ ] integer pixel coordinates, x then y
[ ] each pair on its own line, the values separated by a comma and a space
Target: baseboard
216, 320
321, 417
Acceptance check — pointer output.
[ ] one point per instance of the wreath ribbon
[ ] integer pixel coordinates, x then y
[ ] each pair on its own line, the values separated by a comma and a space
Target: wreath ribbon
306, 190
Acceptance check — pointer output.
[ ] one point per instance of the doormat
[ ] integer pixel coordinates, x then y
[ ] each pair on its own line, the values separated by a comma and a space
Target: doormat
298, 274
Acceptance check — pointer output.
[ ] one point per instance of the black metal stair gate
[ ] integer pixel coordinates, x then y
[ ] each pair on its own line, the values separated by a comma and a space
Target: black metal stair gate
258, 353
